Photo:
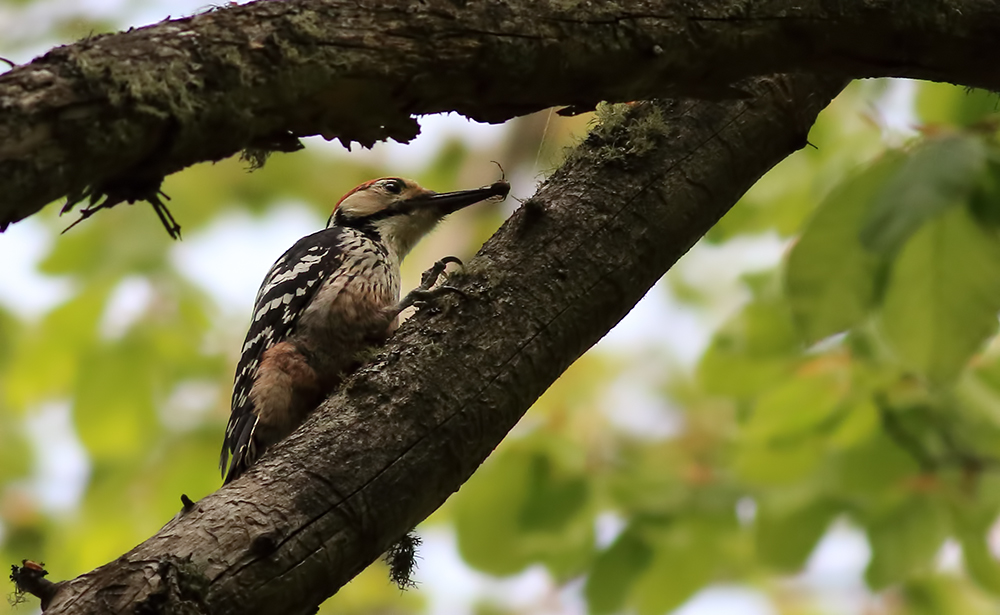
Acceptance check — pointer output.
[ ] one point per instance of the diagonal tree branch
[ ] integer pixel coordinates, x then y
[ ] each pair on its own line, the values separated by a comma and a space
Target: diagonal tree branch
409, 429
111, 115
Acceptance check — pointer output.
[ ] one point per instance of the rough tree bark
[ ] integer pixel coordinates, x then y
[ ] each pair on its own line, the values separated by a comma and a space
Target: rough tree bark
409, 429
112, 114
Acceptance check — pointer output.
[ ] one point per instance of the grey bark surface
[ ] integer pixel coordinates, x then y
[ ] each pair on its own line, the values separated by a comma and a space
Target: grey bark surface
113, 114
406, 432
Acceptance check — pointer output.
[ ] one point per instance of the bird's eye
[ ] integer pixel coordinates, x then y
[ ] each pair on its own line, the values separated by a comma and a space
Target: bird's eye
393, 185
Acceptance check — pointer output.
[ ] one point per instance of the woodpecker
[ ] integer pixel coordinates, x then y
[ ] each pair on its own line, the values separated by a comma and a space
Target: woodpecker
330, 297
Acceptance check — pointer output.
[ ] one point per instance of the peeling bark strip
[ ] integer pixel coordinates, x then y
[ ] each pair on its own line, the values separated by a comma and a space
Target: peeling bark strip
113, 112
408, 430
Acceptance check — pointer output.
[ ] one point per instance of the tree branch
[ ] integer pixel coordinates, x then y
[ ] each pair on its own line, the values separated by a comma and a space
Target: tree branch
409, 429
112, 115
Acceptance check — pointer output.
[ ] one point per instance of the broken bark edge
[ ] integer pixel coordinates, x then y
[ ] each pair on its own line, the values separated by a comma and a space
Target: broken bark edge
29, 578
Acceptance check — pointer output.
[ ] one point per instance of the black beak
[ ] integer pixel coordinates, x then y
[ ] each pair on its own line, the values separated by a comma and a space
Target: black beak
450, 202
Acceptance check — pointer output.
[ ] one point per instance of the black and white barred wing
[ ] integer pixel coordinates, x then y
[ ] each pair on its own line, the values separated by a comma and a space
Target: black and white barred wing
285, 293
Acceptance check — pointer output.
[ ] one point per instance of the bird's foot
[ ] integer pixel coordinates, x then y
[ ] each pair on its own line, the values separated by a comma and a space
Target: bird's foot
432, 275
427, 292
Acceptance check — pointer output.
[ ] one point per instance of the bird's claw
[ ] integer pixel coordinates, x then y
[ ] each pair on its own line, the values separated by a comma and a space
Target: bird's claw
432, 275
426, 292
421, 297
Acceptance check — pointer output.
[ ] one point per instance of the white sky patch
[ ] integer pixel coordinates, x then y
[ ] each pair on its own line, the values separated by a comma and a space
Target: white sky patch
128, 302
229, 259
660, 320
24, 290
746, 511
727, 600
834, 575
634, 406
608, 526
895, 111
839, 559
435, 131
31, 21
993, 539
949, 557
453, 588
717, 269
189, 403
61, 463
33, 25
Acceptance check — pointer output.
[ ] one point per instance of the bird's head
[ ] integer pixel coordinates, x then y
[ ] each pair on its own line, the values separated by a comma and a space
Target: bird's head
401, 212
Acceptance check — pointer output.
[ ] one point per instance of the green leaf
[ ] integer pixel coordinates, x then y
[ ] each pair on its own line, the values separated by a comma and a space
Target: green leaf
501, 529
552, 500
47, 359
859, 422
985, 199
15, 454
615, 571
752, 351
486, 510
10, 330
936, 175
980, 563
943, 295
685, 560
115, 243
944, 103
179, 464
973, 519
785, 538
871, 468
943, 593
831, 277
978, 392
778, 463
786, 195
794, 408
113, 406
779, 202
905, 540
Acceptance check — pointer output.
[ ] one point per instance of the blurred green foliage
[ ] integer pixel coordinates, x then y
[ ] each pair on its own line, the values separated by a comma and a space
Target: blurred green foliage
852, 386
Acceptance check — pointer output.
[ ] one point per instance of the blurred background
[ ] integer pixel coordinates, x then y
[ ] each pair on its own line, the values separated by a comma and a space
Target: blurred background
800, 418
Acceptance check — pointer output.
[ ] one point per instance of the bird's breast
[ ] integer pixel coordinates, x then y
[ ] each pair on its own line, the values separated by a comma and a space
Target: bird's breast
348, 312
